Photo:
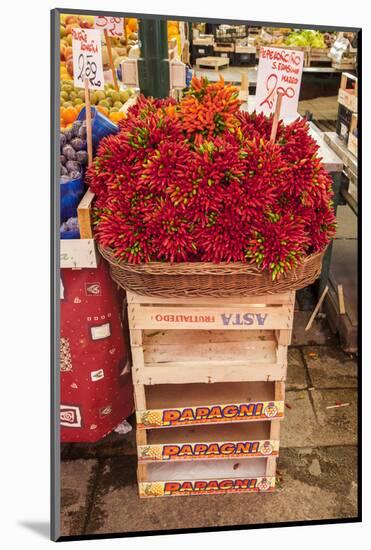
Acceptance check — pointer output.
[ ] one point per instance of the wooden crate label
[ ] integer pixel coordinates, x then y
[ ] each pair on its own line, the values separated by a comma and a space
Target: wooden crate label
184, 416
206, 487
207, 450
143, 317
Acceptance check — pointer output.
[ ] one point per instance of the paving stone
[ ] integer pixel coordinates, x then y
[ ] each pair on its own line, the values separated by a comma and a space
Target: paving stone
318, 334
305, 299
65, 448
113, 444
347, 223
326, 491
330, 367
296, 371
299, 424
336, 426
77, 479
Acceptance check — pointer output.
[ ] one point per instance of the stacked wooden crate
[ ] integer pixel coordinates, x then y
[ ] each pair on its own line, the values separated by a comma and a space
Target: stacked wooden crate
346, 126
319, 57
209, 380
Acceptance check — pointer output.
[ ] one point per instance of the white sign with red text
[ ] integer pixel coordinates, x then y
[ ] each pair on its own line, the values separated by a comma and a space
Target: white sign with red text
113, 25
279, 70
87, 58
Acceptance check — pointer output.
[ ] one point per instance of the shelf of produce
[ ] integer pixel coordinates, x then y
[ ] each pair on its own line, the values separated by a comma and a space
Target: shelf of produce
82, 253
199, 477
169, 405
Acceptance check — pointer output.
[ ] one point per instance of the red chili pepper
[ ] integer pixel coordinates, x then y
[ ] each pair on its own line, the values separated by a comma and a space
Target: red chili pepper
200, 180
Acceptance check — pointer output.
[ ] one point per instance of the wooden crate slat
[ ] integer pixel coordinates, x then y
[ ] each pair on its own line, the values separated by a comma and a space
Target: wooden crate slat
191, 337
215, 317
253, 351
84, 215
159, 418
200, 487
287, 298
183, 373
202, 477
209, 442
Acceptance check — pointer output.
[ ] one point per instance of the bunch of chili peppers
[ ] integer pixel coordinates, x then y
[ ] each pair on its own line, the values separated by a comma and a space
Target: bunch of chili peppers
199, 180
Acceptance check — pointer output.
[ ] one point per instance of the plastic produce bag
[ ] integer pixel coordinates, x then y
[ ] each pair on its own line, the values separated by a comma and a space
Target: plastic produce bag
339, 48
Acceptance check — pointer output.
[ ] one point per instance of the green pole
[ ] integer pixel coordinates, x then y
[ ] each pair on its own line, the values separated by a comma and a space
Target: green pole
153, 64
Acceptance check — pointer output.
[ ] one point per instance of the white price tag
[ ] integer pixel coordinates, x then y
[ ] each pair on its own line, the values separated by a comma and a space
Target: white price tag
113, 25
87, 58
279, 70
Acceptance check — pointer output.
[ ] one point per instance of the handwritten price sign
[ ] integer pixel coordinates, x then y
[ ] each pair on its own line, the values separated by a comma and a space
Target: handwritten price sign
87, 58
279, 70
113, 25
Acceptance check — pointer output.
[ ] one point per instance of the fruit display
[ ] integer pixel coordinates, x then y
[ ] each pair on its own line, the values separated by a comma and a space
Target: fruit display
200, 180
68, 22
282, 37
107, 101
73, 152
305, 37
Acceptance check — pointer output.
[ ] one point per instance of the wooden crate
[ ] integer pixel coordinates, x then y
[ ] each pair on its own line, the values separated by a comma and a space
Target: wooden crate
81, 253
245, 49
224, 47
215, 63
348, 96
172, 405
352, 139
211, 442
200, 477
205, 40
318, 55
204, 341
209, 389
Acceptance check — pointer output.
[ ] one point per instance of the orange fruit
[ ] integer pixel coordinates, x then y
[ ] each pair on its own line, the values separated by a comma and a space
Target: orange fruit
132, 24
116, 116
69, 114
102, 110
79, 107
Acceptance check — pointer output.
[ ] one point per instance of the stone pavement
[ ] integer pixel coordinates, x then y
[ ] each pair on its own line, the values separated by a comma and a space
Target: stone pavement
317, 465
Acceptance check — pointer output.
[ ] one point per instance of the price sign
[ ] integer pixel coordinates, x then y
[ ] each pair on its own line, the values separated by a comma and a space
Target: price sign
87, 58
113, 25
279, 70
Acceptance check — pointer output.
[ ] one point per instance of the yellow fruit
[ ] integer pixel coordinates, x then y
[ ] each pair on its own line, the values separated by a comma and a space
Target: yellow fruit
116, 116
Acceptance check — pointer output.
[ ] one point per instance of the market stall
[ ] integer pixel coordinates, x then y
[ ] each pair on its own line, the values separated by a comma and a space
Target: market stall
205, 209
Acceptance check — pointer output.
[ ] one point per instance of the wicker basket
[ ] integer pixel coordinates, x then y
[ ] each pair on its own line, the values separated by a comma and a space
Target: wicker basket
207, 279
